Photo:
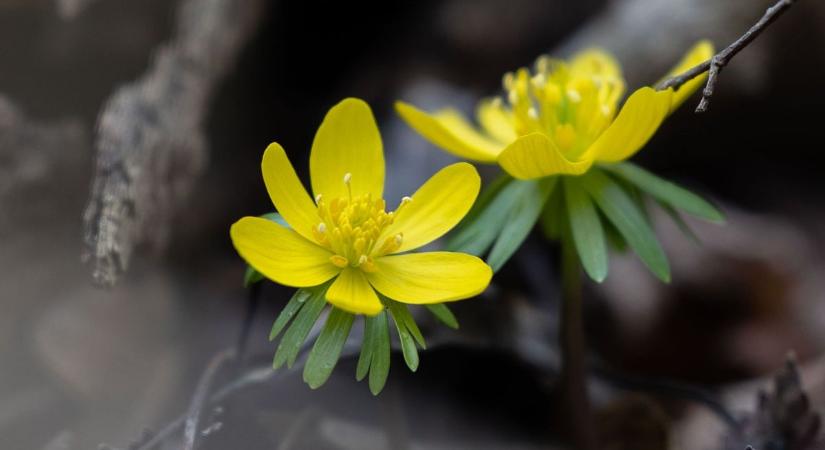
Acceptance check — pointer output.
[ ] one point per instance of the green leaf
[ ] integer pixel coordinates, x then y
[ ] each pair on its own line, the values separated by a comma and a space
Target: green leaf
327, 349
520, 219
443, 314
252, 276
407, 342
367, 349
380, 364
299, 329
614, 238
476, 236
586, 227
680, 222
623, 212
487, 195
401, 312
667, 192
298, 300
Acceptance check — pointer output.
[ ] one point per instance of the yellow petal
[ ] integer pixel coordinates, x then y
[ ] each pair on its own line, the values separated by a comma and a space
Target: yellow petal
436, 207
281, 254
287, 193
496, 121
448, 130
535, 156
699, 53
347, 141
352, 292
431, 277
639, 118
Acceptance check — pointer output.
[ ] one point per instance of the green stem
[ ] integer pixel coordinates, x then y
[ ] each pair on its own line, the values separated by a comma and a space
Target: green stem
573, 349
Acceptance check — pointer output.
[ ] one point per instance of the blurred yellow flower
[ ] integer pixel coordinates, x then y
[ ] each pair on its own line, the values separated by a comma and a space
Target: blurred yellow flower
348, 235
561, 118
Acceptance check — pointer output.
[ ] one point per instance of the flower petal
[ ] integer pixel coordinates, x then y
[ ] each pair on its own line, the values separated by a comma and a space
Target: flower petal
348, 141
449, 130
436, 207
639, 118
352, 292
280, 253
699, 53
535, 156
286, 191
430, 277
496, 121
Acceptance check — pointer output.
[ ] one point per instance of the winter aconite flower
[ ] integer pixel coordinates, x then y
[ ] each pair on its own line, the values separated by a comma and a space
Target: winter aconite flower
563, 140
559, 119
344, 232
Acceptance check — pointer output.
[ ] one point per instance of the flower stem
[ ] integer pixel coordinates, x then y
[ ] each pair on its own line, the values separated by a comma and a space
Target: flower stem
573, 348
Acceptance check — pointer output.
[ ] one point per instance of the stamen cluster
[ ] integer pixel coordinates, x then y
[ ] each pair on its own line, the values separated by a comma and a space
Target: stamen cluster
572, 104
352, 226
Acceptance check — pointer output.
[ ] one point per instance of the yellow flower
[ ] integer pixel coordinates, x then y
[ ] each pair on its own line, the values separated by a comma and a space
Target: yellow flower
560, 119
346, 232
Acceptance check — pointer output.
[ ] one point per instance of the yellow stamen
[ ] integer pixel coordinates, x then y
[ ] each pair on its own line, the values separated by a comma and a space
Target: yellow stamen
572, 104
351, 228
565, 136
348, 182
339, 261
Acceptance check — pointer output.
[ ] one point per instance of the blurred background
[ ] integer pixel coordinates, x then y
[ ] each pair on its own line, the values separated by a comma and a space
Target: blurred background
131, 133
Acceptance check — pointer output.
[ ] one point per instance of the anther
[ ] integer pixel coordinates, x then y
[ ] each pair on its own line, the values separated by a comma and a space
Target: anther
318, 198
404, 200
367, 265
542, 63
339, 261
322, 227
347, 181
507, 80
574, 95
532, 113
362, 259
512, 97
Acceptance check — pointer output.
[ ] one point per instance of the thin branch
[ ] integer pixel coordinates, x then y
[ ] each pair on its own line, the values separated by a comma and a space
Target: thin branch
150, 143
670, 388
715, 65
200, 399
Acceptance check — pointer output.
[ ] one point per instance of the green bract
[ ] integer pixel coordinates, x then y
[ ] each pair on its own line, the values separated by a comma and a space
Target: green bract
608, 204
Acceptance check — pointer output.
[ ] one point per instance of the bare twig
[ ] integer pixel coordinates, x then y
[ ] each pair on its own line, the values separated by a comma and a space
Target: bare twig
150, 145
200, 399
715, 65
784, 416
672, 389
251, 377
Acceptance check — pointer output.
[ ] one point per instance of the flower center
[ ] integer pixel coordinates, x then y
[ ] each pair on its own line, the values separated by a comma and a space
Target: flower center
572, 105
352, 226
